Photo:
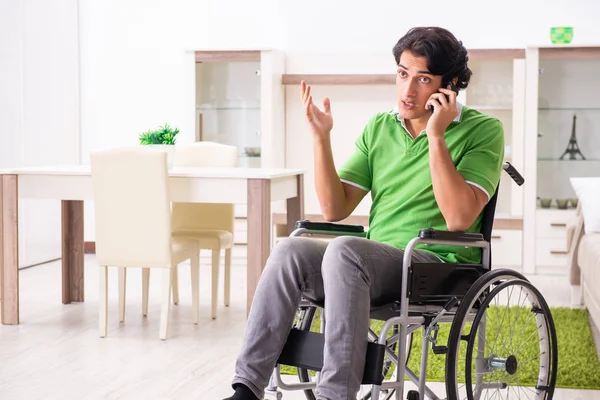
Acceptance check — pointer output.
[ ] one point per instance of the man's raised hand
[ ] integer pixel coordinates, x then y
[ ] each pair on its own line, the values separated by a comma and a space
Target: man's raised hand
320, 122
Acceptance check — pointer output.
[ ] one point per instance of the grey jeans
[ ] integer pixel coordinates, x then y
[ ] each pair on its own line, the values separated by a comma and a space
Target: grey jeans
349, 272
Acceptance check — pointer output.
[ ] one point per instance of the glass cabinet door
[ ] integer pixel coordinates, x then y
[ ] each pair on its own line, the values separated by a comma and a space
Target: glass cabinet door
228, 106
568, 127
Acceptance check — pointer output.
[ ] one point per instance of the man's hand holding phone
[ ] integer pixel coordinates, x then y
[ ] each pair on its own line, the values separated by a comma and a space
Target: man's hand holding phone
320, 122
444, 111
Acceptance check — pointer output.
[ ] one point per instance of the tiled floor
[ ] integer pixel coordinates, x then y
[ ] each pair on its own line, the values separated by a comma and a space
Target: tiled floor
56, 353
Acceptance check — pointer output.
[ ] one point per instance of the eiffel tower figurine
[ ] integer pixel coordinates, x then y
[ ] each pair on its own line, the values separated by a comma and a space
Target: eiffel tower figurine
573, 148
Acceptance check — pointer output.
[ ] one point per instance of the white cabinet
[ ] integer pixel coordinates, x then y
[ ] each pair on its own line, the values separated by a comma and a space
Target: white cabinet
551, 240
239, 100
506, 248
497, 88
561, 105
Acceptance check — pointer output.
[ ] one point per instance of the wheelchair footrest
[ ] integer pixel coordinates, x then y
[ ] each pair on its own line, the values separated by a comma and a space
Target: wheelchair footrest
304, 349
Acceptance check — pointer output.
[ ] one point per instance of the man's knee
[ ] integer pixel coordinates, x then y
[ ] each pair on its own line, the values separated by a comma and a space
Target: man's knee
292, 255
348, 246
344, 252
292, 247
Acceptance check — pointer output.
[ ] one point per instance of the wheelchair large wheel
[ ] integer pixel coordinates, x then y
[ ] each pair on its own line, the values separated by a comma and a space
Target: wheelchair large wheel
505, 332
307, 316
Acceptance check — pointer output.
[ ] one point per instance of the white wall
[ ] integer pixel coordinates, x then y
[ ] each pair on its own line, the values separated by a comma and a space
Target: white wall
360, 40
132, 61
325, 26
11, 82
132, 51
39, 107
133, 64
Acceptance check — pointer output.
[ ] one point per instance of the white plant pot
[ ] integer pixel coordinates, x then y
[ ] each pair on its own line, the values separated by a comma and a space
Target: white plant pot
169, 149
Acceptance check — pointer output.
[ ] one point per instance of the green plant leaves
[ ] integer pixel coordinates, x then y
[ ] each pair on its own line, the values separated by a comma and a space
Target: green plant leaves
163, 135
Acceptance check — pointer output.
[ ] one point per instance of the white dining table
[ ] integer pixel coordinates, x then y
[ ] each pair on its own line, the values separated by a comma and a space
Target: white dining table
72, 184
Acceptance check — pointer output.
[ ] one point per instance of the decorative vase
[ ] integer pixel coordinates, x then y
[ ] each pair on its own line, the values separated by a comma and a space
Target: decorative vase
168, 148
574, 201
545, 203
562, 204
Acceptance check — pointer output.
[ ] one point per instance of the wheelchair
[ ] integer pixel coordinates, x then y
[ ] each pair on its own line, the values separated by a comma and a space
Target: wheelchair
501, 342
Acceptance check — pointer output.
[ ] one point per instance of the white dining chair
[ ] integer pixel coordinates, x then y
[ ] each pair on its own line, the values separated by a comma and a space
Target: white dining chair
212, 225
133, 226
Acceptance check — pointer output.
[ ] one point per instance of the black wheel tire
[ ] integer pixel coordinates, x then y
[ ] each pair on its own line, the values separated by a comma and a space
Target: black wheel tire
551, 330
466, 305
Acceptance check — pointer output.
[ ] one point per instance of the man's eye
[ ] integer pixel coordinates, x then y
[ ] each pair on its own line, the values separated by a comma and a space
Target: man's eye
402, 73
425, 79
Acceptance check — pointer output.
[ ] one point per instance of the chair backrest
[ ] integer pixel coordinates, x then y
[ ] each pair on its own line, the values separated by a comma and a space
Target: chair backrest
131, 207
205, 154
487, 221
201, 216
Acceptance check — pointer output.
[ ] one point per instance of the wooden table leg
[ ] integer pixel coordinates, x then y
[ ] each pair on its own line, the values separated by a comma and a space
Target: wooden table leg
72, 251
295, 206
9, 249
259, 233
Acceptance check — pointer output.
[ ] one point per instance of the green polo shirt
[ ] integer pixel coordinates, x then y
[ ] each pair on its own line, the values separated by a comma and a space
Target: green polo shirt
394, 167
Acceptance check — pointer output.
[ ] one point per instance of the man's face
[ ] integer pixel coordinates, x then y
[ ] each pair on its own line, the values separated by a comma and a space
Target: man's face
415, 84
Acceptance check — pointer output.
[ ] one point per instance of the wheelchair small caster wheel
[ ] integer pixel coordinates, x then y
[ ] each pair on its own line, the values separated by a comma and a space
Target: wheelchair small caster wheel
412, 395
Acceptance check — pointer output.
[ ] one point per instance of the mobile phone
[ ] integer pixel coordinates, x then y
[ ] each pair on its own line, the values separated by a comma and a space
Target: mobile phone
445, 85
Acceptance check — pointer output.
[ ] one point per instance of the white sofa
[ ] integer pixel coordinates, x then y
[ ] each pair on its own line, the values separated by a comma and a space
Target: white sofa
584, 266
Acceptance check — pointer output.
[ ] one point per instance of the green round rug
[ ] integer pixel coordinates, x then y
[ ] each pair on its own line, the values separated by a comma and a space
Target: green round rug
578, 363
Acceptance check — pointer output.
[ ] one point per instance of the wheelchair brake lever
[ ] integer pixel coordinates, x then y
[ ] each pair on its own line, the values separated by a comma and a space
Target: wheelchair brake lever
433, 339
449, 304
434, 326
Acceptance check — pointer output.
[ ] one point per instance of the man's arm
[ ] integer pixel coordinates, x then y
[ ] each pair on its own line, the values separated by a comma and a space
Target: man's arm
459, 202
336, 198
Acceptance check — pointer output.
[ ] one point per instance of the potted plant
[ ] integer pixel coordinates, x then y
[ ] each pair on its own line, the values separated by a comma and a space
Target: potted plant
163, 135
162, 138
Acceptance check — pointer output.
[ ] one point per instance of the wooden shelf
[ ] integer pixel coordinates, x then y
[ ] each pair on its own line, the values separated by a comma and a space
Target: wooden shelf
390, 79
233, 55
564, 52
496, 54
339, 79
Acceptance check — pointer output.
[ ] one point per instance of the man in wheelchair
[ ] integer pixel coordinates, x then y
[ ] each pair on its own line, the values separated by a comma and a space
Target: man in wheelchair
429, 163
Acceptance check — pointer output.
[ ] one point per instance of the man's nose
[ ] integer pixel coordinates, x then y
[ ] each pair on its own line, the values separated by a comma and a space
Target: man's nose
410, 89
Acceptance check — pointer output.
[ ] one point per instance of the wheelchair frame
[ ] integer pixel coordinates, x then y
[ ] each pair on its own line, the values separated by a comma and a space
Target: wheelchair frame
309, 347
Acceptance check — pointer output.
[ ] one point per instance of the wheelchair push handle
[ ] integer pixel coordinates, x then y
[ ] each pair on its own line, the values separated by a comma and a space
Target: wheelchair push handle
514, 174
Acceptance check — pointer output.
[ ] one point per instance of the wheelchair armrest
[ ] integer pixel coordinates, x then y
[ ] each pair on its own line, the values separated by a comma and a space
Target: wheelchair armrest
457, 236
330, 228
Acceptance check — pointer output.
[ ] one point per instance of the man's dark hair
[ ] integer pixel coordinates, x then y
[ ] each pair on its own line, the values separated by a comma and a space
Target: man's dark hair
445, 55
